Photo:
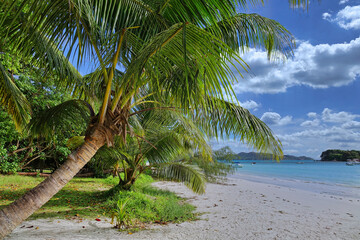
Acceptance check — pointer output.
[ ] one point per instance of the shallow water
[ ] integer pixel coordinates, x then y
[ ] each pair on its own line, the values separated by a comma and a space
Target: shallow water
324, 177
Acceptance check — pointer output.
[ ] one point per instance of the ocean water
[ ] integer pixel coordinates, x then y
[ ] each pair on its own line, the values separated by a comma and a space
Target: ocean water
335, 178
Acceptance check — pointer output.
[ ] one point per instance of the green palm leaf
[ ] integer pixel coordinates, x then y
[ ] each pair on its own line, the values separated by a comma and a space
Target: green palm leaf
65, 116
207, 56
252, 30
189, 175
224, 119
13, 100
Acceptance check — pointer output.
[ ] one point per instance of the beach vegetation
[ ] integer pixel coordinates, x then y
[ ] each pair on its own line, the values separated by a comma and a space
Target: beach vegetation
119, 214
176, 55
97, 198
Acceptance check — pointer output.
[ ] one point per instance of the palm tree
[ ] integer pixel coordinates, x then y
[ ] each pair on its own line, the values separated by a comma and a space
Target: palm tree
160, 142
179, 50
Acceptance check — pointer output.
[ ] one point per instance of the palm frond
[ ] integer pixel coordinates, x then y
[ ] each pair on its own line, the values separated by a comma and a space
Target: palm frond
110, 156
224, 119
46, 55
205, 53
300, 3
63, 116
189, 175
13, 100
201, 13
75, 142
243, 31
170, 130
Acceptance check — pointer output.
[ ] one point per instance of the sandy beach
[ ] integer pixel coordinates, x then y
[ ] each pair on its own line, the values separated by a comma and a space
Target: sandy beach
239, 209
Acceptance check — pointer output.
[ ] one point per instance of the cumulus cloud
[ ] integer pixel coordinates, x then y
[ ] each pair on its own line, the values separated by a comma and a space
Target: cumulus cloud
317, 66
354, 125
325, 130
343, 1
313, 123
273, 118
312, 114
347, 18
326, 16
250, 104
339, 117
328, 137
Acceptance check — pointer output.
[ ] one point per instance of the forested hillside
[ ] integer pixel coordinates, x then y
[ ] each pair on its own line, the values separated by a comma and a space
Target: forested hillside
339, 155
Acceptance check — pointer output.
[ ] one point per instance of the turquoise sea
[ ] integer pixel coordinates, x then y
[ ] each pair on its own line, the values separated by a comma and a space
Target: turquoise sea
335, 178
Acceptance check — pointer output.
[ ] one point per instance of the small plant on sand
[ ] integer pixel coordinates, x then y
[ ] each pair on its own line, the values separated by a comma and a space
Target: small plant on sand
120, 214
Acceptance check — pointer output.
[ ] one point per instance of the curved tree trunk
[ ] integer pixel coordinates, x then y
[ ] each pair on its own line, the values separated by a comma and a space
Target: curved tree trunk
12, 215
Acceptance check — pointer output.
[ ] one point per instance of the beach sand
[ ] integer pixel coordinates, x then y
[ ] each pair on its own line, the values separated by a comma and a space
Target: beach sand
239, 209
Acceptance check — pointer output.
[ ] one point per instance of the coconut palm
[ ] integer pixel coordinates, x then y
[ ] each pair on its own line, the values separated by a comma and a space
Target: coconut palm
160, 142
179, 50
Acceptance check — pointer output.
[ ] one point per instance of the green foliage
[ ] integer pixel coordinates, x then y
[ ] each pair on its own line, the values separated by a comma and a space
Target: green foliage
190, 175
80, 198
339, 155
180, 51
120, 215
225, 153
23, 151
68, 117
7, 166
149, 204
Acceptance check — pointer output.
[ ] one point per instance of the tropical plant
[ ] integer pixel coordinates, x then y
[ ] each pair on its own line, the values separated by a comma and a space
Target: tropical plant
225, 153
119, 215
161, 140
22, 150
178, 50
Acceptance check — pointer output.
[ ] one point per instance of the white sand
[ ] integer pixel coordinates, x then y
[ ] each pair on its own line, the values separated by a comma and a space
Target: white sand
239, 210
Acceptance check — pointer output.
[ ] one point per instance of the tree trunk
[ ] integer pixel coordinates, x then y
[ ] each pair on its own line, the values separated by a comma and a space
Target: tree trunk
12, 215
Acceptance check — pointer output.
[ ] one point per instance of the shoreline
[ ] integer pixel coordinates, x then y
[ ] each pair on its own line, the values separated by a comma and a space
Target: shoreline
239, 209
337, 189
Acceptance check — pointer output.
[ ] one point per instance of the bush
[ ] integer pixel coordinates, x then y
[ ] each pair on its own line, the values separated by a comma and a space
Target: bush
7, 166
147, 204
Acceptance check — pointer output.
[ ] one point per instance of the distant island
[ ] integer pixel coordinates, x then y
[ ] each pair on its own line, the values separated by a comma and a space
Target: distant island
258, 156
226, 153
339, 155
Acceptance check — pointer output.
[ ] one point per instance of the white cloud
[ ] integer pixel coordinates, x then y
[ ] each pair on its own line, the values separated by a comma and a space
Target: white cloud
328, 116
317, 66
347, 18
335, 130
273, 118
354, 125
343, 2
312, 114
250, 104
312, 123
324, 138
326, 16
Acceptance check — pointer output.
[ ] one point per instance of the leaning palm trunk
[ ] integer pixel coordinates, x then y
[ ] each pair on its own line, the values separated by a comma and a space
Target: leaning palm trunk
18, 211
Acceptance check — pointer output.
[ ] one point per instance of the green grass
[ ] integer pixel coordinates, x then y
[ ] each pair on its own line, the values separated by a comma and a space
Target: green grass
89, 198
80, 198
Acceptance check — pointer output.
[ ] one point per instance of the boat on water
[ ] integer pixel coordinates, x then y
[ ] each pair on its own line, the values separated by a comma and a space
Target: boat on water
352, 162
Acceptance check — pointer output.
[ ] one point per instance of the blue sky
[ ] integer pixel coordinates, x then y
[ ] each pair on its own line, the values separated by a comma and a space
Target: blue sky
310, 101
